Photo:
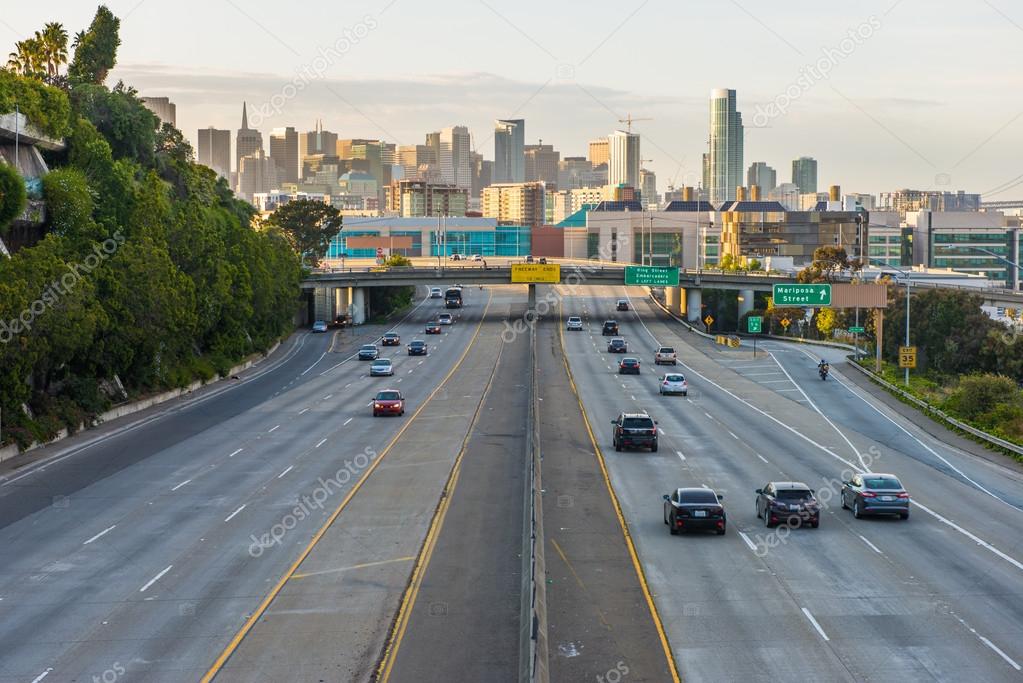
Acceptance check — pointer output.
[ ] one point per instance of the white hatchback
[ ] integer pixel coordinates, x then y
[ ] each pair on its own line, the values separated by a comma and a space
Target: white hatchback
575, 323
674, 383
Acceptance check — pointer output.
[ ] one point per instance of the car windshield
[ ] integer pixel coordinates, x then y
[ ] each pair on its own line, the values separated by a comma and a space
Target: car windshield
390, 335
617, 342
666, 349
369, 347
388, 396
638, 423
674, 378
700, 497
417, 343
794, 494
382, 361
574, 320
882, 483
630, 361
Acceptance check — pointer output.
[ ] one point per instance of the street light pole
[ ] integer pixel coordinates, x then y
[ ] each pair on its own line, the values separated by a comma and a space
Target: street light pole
908, 283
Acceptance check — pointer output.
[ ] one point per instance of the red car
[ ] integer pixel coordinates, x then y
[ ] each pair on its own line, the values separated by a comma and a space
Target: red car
432, 328
388, 402
391, 339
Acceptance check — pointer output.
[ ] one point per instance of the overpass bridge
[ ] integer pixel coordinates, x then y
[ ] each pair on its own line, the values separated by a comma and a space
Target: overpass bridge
340, 290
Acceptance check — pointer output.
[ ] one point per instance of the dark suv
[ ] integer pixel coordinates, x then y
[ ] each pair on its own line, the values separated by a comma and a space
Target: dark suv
610, 328
634, 430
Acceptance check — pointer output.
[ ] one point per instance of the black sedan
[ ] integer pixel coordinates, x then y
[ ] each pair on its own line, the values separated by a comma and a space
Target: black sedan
610, 328
875, 494
788, 502
618, 345
417, 347
432, 328
694, 509
628, 366
391, 339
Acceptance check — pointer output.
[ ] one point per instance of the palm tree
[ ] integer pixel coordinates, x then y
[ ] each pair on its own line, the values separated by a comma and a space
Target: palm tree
27, 59
53, 42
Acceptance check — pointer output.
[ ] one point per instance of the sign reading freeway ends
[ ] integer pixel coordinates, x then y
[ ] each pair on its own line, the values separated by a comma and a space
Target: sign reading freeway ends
651, 275
802, 295
536, 272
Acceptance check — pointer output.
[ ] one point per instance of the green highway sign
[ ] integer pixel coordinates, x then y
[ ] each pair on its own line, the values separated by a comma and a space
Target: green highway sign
651, 275
857, 330
754, 324
802, 295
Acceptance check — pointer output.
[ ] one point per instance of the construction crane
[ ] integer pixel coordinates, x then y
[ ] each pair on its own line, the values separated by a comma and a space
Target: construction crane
628, 121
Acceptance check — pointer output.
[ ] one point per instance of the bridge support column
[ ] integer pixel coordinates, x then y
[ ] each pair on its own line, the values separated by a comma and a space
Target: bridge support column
694, 304
674, 299
359, 302
321, 303
745, 301
531, 301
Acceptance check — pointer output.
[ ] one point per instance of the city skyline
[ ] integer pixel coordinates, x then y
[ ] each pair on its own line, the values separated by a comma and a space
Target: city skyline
909, 129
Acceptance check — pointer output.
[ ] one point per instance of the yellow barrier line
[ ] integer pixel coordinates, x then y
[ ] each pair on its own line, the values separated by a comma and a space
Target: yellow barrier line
254, 617
658, 624
408, 602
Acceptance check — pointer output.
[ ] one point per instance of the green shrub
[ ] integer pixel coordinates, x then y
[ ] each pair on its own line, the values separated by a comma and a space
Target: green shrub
12, 195
45, 107
977, 395
69, 202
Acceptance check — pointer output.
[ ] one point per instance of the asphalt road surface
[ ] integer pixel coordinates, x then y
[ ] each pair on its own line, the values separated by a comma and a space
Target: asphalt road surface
936, 597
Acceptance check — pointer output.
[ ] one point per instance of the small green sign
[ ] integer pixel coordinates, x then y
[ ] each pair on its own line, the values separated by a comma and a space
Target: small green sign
802, 295
857, 330
754, 324
655, 276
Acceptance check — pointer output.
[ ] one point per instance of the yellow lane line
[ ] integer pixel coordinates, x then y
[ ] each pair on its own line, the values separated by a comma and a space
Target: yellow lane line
408, 602
261, 609
579, 580
658, 624
354, 566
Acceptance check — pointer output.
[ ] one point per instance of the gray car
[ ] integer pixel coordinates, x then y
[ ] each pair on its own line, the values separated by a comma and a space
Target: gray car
875, 494
381, 367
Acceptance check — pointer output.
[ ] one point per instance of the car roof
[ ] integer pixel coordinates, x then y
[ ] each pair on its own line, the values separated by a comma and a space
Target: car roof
694, 489
614, 339
369, 346
789, 485
635, 415
610, 321
382, 360
628, 358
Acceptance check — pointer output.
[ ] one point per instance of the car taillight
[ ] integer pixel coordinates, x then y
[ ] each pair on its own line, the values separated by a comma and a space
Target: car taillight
654, 430
903, 495
665, 382
868, 494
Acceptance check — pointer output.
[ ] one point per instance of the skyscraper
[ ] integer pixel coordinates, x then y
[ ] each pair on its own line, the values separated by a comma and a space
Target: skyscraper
509, 150
455, 157
284, 152
804, 174
648, 188
316, 142
247, 142
623, 164
542, 164
256, 173
763, 176
599, 153
164, 109
215, 150
726, 146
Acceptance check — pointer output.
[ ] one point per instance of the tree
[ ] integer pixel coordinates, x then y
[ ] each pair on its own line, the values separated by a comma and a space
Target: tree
12, 195
27, 59
121, 118
755, 264
53, 48
398, 261
96, 49
309, 225
827, 263
826, 321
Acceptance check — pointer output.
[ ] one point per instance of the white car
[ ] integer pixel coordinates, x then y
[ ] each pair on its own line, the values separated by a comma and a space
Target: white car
477, 257
435, 293
575, 323
444, 318
674, 383
666, 355
381, 367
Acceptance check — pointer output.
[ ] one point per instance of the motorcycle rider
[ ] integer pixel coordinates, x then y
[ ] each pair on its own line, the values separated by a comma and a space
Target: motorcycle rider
823, 367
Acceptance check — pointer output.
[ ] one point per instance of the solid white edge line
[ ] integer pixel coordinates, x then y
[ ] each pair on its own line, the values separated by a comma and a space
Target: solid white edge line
102, 533
322, 441
752, 546
231, 516
313, 365
155, 579
272, 429
235, 453
679, 454
763, 458
815, 624
872, 546
288, 469
181, 484
1001, 654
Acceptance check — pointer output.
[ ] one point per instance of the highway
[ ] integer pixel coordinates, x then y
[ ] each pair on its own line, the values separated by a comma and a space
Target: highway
938, 597
269, 528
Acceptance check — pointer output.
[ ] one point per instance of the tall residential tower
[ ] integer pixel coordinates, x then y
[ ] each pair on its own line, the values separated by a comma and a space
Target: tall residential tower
725, 167
510, 151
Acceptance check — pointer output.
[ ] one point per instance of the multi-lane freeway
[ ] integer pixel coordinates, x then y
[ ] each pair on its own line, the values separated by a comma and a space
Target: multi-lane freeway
269, 528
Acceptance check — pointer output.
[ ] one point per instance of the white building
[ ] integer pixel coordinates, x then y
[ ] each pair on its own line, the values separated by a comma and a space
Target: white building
623, 165
456, 157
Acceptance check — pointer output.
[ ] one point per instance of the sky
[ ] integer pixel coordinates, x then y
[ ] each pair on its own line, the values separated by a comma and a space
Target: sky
886, 94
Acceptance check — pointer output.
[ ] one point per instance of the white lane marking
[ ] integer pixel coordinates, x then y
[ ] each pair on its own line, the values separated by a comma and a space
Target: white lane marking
419, 363
733, 434
349, 420
304, 410
679, 454
624, 387
749, 543
815, 624
709, 416
286, 470
872, 546
705, 486
400, 379
272, 429
763, 458
1004, 656
42, 675
102, 533
231, 516
328, 397
774, 381
973, 537
241, 449
760, 374
181, 484
661, 431
633, 398
348, 385
313, 365
410, 372
322, 441
155, 579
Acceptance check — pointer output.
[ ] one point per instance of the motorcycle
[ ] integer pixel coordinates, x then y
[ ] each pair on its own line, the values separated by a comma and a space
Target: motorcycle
823, 371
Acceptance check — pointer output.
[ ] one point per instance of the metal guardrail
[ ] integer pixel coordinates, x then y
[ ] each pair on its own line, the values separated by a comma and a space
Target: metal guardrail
929, 409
